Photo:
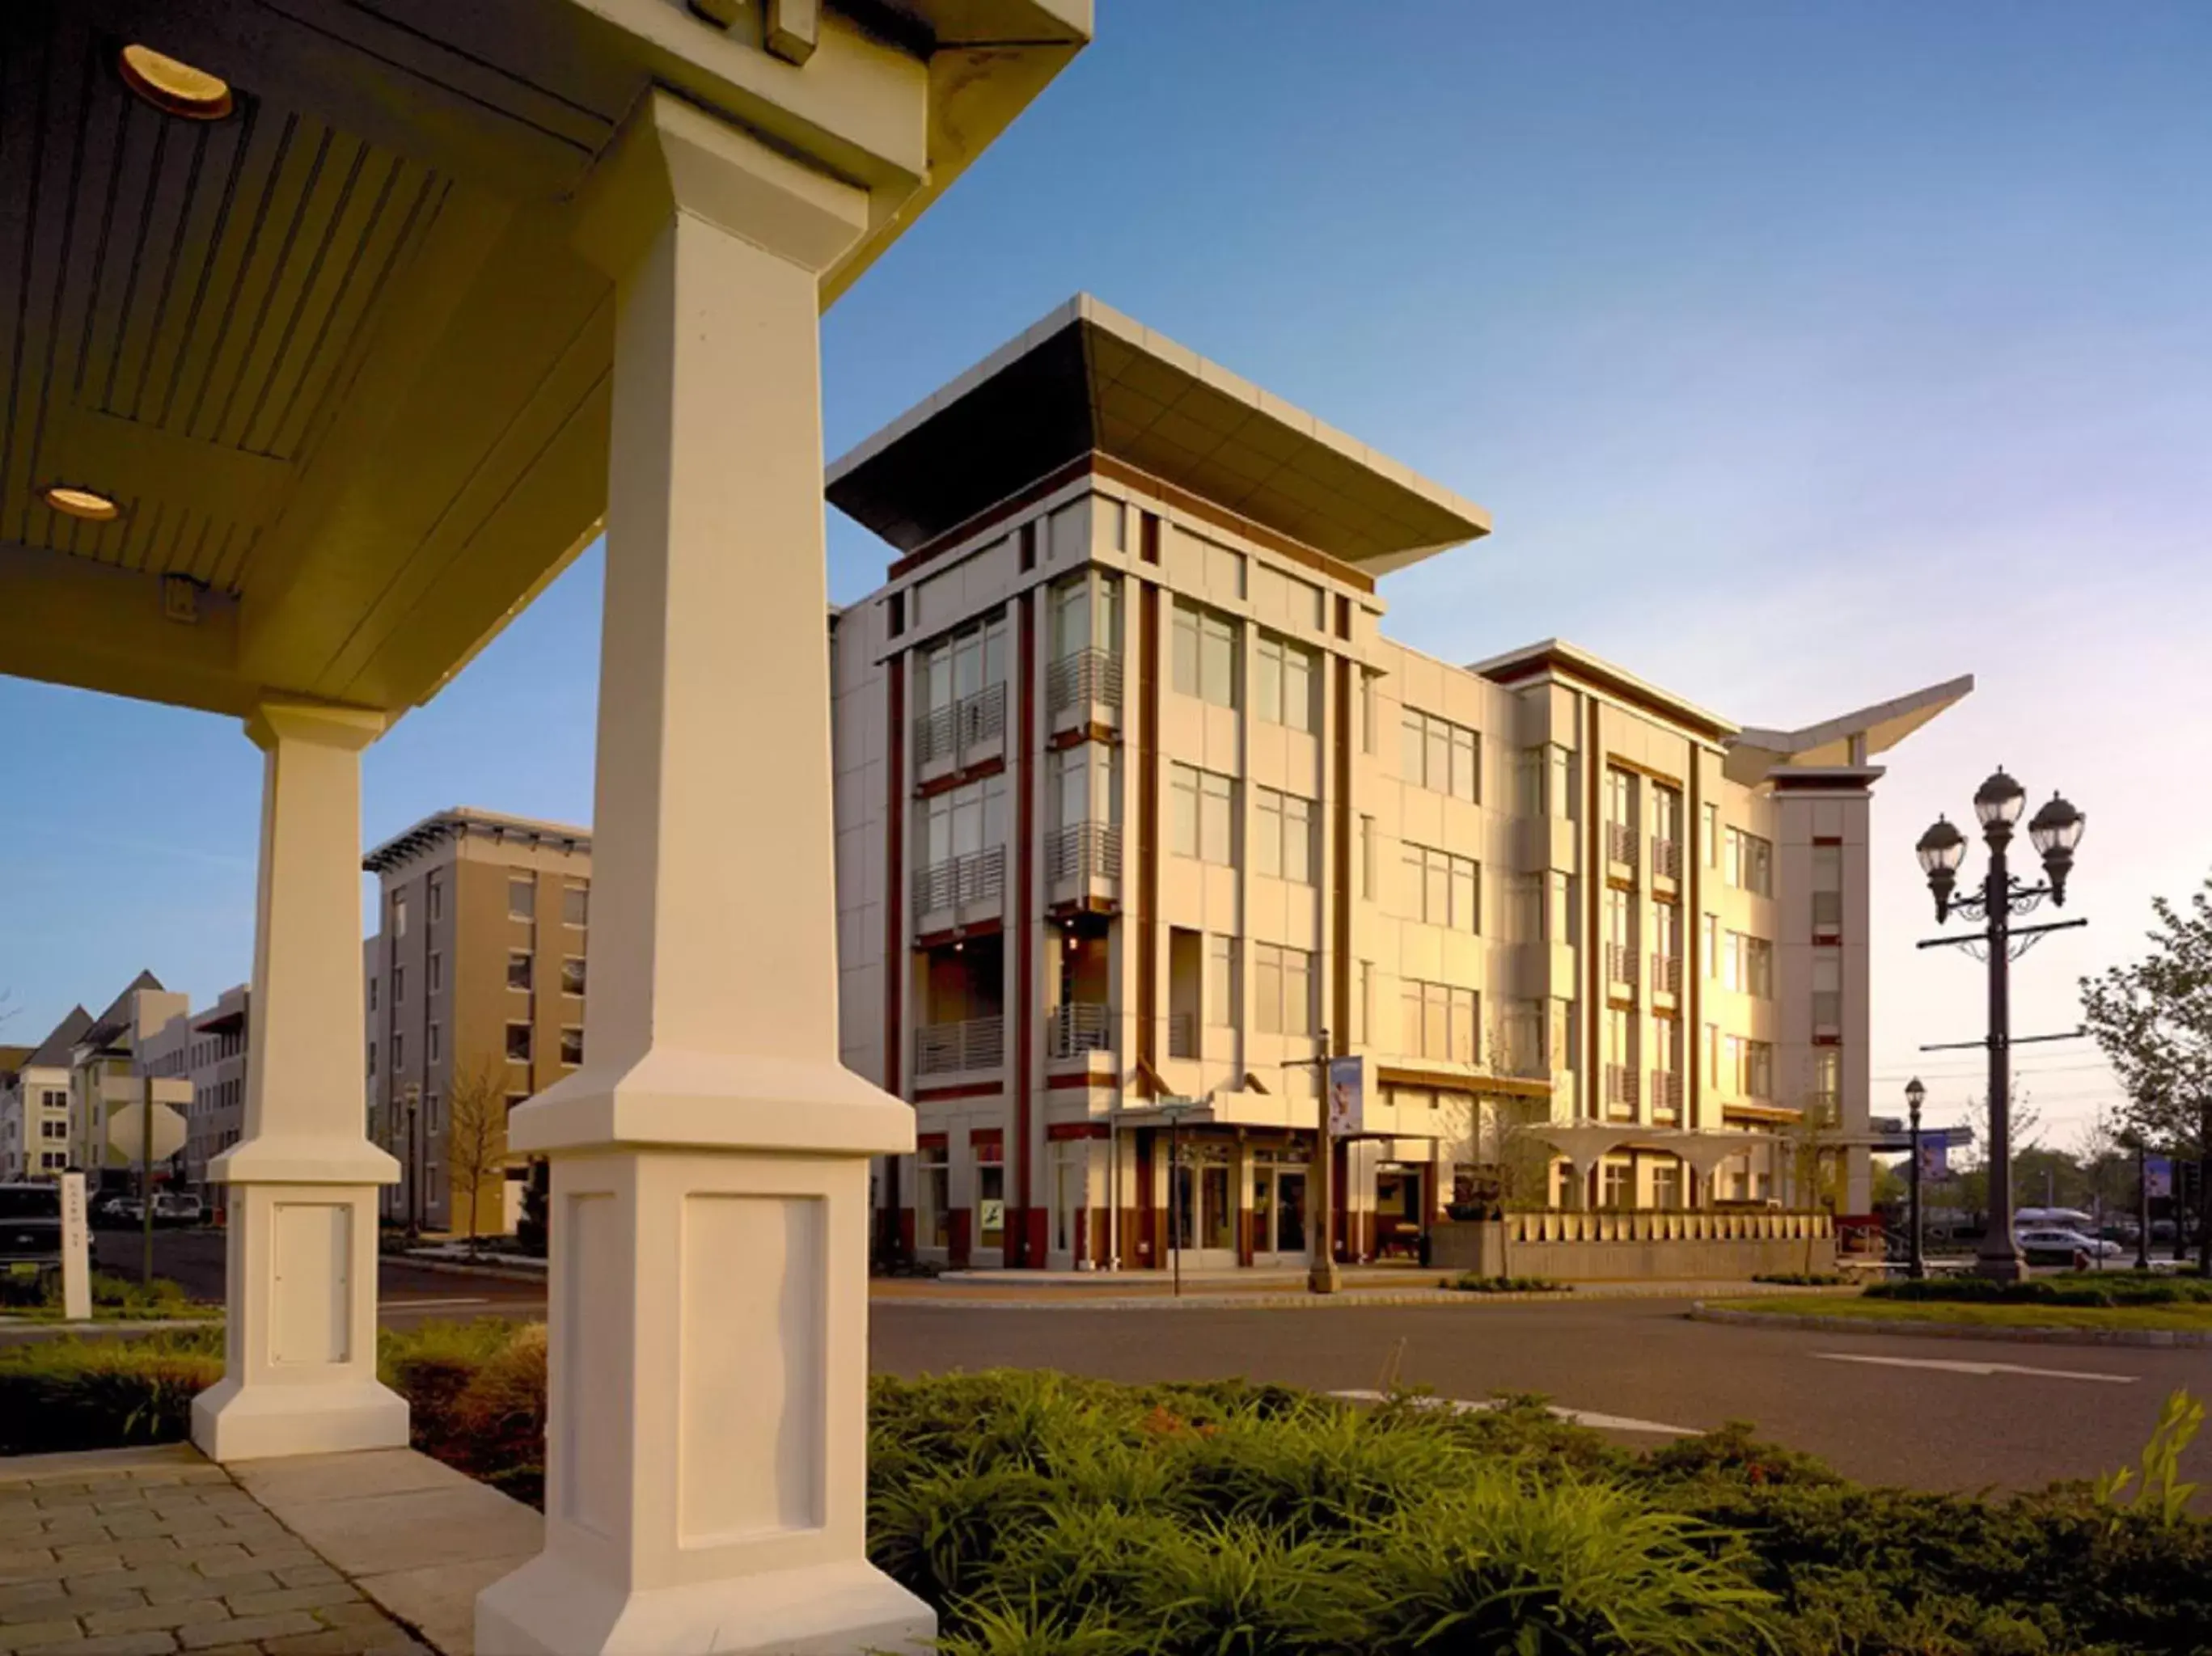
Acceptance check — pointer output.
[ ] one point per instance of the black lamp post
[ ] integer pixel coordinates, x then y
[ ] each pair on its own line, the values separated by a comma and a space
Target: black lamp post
1915, 1095
2054, 830
2142, 1202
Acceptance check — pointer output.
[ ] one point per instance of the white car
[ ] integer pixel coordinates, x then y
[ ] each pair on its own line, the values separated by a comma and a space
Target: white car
2043, 1245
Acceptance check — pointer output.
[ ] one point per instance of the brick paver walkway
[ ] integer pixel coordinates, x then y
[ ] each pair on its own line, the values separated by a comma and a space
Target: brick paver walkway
139, 1553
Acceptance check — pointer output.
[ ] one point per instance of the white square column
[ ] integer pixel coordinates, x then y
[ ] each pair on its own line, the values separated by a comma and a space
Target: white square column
705, 1475
300, 1346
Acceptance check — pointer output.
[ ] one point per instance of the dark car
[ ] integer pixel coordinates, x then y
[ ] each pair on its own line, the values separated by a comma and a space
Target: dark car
30, 1225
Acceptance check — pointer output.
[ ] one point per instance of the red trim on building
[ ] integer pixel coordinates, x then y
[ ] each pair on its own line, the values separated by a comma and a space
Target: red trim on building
988, 1138
965, 1089
951, 780
1071, 1083
932, 1141
1060, 1132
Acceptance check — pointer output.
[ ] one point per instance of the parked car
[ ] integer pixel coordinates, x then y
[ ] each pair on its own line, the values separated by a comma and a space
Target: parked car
2046, 1246
30, 1225
177, 1208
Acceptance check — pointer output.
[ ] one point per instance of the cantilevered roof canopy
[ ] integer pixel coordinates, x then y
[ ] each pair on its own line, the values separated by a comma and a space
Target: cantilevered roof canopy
1087, 378
331, 352
1883, 725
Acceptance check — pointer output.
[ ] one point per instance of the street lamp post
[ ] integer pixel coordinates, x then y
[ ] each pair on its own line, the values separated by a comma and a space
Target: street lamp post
2142, 1203
414, 1096
1321, 1275
2054, 830
1915, 1095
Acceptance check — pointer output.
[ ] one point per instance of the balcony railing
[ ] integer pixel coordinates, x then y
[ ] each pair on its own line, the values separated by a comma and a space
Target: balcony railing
1619, 963
1666, 1093
1183, 1034
1620, 1087
1083, 851
1079, 1027
975, 877
1666, 859
942, 733
947, 1048
1620, 843
1088, 677
1667, 974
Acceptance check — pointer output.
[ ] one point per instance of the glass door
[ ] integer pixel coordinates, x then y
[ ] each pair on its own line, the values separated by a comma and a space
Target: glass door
1279, 1204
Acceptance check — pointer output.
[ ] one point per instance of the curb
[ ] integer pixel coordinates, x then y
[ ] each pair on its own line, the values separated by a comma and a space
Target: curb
452, 1268
2151, 1338
1352, 1299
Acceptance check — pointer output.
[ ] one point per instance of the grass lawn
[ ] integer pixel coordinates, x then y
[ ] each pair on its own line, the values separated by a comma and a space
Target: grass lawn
2189, 1317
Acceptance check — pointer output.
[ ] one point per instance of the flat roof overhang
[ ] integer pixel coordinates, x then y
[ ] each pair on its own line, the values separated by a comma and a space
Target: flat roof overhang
334, 356
1088, 380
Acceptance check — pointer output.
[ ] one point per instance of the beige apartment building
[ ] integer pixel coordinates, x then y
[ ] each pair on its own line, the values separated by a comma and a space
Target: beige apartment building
475, 988
1140, 815
207, 1050
108, 1069
34, 1103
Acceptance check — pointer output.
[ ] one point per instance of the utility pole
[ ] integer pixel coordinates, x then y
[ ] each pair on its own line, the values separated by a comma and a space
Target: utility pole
2142, 1203
1915, 1094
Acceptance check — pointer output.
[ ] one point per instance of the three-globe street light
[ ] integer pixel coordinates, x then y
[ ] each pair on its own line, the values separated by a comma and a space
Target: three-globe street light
1915, 1096
2054, 830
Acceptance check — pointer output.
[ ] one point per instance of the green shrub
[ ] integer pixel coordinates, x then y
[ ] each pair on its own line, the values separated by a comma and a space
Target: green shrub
1473, 1282
2085, 1288
1801, 1278
95, 1394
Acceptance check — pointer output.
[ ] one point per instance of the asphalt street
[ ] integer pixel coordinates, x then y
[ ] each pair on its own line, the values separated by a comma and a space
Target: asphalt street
1932, 1414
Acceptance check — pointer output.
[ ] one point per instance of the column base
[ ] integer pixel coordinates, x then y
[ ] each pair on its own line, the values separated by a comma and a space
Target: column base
232, 1420
553, 1607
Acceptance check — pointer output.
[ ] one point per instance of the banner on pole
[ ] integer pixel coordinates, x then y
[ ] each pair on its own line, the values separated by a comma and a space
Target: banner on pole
1347, 1097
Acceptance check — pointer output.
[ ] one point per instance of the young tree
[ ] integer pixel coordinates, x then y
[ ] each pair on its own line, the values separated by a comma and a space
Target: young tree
475, 1139
2153, 1019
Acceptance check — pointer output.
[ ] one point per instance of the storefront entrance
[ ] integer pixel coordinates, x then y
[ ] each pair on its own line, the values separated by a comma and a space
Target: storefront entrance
1279, 1215
1202, 1219
1401, 1210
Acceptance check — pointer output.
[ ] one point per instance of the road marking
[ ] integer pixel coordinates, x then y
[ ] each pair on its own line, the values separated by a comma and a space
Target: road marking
428, 1305
1579, 1417
1953, 1365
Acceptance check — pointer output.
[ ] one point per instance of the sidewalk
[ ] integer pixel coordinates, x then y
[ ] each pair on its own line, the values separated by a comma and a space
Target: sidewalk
147, 1551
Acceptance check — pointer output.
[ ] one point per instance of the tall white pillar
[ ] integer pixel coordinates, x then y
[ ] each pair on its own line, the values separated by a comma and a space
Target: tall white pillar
708, 1298
300, 1348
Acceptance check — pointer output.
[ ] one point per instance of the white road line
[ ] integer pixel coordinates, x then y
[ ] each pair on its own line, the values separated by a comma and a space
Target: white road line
1579, 1417
1952, 1365
428, 1305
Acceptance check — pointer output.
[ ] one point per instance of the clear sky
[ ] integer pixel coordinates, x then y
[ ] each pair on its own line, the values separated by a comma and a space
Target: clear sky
1805, 355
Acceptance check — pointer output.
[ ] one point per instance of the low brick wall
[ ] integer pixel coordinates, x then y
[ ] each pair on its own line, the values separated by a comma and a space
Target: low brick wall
1595, 1247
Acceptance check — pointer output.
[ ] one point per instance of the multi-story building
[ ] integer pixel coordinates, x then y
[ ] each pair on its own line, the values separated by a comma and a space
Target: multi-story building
475, 987
108, 1071
1140, 815
208, 1051
35, 1104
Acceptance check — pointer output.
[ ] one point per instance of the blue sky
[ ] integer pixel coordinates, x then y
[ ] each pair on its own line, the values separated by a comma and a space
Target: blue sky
1805, 355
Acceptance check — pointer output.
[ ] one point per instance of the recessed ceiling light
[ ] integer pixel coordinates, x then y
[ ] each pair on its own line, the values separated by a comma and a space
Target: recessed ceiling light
85, 503
173, 87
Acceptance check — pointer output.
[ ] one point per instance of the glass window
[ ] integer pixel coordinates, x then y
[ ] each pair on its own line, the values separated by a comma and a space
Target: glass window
1711, 830
1268, 826
399, 913
518, 1042
1367, 858
398, 1052
1205, 655
572, 975
575, 905
1367, 715
1268, 988
1709, 942
1183, 810
522, 898
398, 985
371, 994
435, 1043
521, 972
436, 889
1221, 1009
572, 1044
932, 1198
1216, 798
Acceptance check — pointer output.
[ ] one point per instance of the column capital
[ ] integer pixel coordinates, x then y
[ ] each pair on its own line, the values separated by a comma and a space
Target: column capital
324, 723
672, 158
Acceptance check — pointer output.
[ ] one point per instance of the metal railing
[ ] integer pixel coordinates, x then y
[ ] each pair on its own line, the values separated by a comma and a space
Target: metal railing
1183, 1034
1620, 843
1666, 1092
1620, 1085
1085, 678
1619, 963
942, 733
1579, 1225
975, 877
1667, 974
1083, 851
1666, 859
1081, 1026
947, 1048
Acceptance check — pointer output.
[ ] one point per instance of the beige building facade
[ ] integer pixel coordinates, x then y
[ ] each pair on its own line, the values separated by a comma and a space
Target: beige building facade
1141, 815
475, 990
207, 1050
35, 1104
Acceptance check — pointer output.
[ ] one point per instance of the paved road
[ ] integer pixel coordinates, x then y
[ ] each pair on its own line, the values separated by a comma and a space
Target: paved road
1908, 1419
407, 1293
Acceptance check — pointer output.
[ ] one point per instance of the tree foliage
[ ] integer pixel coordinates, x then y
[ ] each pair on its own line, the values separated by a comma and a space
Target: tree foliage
2153, 1017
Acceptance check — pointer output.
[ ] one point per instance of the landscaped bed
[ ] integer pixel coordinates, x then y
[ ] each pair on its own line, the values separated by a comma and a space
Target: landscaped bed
2184, 1319
1042, 1513
114, 1299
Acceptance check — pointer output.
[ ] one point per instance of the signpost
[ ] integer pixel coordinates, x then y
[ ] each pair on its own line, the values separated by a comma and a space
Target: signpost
139, 1135
76, 1252
1175, 1109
